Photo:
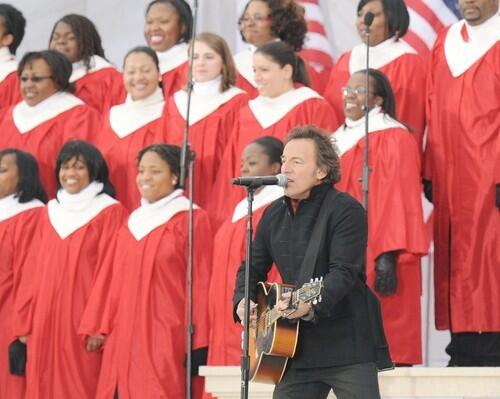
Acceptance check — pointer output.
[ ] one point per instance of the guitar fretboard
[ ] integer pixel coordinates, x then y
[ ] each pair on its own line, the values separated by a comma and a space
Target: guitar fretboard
273, 315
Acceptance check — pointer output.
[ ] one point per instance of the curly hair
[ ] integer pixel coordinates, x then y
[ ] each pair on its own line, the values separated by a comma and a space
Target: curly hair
288, 21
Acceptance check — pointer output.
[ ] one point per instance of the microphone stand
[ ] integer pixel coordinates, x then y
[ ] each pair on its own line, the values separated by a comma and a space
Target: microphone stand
245, 357
365, 176
187, 167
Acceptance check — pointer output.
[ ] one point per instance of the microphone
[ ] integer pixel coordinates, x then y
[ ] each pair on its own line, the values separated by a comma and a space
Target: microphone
257, 181
368, 20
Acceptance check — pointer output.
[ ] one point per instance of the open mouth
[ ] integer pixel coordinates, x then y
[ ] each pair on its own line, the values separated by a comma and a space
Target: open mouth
156, 39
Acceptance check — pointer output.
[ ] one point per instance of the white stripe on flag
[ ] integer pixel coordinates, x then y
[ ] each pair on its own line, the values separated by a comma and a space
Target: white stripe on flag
442, 11
313, 12
315, 41
422, 28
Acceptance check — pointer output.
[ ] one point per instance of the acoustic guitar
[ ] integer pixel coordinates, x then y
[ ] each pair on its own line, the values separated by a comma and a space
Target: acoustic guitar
272, 338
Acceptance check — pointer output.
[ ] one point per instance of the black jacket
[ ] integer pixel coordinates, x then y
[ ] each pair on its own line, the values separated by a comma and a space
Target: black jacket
342, 333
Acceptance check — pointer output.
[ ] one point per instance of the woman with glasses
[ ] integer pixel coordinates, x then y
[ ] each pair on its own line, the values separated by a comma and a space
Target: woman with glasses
168, 28
390, 54
134, 124
12, 24
284, 101
397, 236
98, 83
264, 21
49, 114
215, 103
22, 197
72, 245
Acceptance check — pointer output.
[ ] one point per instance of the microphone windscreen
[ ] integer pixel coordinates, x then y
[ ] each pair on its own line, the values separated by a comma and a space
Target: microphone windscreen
369, 16
282, 180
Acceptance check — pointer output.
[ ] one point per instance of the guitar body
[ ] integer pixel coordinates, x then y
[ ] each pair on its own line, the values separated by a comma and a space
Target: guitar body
271, 346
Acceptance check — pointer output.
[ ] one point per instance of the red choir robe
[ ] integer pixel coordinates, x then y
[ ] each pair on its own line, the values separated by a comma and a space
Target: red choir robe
243, 62
44, 128
101, 87
126, 129
461, 155
145, 321
17, 224
10, 93
212, 118
266, 117
224, 348
395, 220
406, 71
70, 248
173, 68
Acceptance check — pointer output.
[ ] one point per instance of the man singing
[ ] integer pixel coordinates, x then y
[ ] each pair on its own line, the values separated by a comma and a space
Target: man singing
339, 342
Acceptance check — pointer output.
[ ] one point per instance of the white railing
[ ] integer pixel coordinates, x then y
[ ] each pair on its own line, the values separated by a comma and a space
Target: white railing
405, 382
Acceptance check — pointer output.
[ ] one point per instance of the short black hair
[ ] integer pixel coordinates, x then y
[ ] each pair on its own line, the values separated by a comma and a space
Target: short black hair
185, 16
396, 14
326, 155
288, 21
171, 154
146, 50
60, 67
30, 186
96, 165
15, 25
272, 147
283, 54
87, 36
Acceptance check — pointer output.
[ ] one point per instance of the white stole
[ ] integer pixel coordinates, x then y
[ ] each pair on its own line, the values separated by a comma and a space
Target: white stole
8, 63
173, 57
268, 110
380, 55
205, 99
96, 64
460, 54
267, 195
26, 117
349, 134
69, 212
244, 64
149, 216
10, 206
126, 118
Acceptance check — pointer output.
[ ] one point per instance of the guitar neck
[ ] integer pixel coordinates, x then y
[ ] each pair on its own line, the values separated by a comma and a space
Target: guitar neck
273, 315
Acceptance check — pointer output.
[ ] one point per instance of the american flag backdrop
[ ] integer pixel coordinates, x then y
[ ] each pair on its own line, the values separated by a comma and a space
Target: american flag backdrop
427, 18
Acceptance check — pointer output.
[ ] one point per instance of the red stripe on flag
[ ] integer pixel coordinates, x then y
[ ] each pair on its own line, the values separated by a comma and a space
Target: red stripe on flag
426, 13
416, 42
317, 56
316, 27
309, 1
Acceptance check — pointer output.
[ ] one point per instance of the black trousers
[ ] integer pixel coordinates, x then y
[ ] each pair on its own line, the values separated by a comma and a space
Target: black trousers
356, 381
473, 349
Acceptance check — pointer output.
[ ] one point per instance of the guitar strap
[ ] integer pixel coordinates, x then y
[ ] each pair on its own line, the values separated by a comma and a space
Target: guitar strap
311, 256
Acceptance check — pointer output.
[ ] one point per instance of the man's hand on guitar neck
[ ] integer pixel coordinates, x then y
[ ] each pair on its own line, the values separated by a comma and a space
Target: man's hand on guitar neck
240, 311
283, 306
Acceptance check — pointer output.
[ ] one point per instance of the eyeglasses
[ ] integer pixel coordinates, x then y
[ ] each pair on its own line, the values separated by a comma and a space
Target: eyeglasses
255, 18
34, 79
346, 90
